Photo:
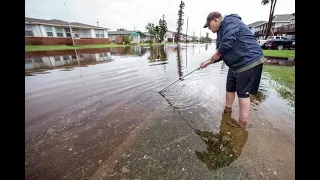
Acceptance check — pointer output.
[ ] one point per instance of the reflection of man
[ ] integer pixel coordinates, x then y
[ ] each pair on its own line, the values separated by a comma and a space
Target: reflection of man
222, 148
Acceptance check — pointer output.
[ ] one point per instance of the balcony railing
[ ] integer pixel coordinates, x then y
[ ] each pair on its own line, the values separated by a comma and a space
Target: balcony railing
280, 30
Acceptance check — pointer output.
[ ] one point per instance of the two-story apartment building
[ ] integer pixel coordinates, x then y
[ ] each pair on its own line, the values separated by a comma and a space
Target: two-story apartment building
281, 24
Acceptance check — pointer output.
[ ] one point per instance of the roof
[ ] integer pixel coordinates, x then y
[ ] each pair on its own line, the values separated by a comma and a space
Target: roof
120, 32
180, 34
60, 23
257, 23
276, 18
128, 33
147, 33
282, 17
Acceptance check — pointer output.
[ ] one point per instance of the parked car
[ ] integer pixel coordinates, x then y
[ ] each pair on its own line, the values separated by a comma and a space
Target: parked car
262, 42
287, 42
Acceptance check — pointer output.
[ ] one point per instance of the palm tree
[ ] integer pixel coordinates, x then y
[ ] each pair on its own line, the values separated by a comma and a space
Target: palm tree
272, 6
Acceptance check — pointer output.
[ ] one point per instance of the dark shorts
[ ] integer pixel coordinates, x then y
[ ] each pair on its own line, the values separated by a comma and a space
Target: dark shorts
244, 83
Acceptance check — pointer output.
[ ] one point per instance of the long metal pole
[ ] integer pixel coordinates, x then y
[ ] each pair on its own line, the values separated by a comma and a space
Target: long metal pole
69, 24
179, 79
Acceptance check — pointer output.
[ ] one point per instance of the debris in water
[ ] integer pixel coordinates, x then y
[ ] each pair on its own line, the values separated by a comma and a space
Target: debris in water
182, 169
124, 169
275, 172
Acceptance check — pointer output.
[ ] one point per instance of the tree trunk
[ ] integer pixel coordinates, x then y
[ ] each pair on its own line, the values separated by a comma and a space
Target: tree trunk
274, 6
270, 20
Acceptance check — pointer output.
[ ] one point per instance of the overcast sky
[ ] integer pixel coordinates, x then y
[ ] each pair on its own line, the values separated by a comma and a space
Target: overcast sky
130, 14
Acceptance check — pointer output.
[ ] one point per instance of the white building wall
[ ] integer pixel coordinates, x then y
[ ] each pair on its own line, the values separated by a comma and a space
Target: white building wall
93, 33
106, 34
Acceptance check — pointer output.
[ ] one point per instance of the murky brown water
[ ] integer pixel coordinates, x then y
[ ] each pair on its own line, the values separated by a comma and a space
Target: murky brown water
100, 117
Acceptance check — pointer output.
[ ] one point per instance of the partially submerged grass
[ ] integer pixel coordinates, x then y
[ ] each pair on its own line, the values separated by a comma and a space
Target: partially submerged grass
279, 53
66, 47
285, 77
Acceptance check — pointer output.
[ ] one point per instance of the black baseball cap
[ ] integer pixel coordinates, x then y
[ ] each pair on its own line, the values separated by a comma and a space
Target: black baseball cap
210, 17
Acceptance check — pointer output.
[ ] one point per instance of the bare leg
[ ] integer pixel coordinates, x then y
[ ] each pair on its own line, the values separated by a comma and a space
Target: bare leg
229, 101
244, 104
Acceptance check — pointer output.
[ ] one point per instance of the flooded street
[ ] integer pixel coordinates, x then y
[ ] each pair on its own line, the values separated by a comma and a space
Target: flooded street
97, 114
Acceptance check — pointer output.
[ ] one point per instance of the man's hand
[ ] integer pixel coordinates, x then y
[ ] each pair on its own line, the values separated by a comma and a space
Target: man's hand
206, 63
214, 58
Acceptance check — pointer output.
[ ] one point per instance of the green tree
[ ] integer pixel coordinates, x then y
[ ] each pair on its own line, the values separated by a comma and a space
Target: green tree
272, 7
127, 39
151, 29
180, 20
162, 28
157, 30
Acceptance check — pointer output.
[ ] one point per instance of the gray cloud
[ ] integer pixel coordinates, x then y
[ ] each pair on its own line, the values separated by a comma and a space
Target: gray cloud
136, 14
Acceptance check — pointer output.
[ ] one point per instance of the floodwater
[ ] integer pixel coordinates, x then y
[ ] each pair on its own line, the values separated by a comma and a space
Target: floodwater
97, 114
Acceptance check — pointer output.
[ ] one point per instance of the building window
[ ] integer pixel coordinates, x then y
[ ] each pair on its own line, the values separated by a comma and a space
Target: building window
28, 30
59, 32
37, 60
74, 57
81, 56
68, 34
65, 58
99, 33
57, 58
76, 33
28, 61
49, 30
101, 55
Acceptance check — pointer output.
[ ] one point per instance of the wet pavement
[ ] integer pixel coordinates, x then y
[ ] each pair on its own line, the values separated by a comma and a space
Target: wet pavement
97, 114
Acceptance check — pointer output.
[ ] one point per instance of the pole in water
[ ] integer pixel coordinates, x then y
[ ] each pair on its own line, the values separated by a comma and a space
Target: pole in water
179, 79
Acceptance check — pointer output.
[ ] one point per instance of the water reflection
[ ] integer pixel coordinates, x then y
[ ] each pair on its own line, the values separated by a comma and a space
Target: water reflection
64, 60
224, 147
179, 61
129, 51
259, 97
157, 53
157, 56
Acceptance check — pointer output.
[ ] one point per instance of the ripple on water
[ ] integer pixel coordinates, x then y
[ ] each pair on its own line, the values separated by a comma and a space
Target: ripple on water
191, 92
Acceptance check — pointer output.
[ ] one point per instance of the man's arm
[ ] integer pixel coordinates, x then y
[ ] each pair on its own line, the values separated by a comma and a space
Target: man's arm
215, 58
228, 36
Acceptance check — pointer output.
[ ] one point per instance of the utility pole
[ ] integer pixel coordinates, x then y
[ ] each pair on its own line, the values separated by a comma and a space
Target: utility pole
69, 24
